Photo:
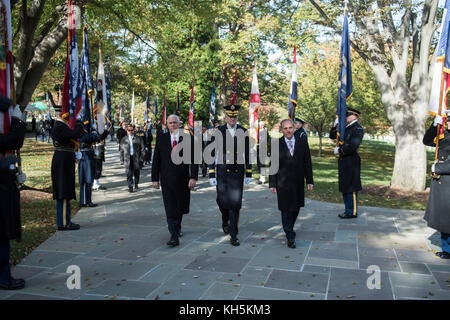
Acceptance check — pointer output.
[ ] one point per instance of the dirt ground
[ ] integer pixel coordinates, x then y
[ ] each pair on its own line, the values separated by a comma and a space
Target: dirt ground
390, 193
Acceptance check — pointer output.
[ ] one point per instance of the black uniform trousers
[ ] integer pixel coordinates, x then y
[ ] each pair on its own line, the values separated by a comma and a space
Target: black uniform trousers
351, 202
174, 225
231, 218
5, 270
131, 171
288, 221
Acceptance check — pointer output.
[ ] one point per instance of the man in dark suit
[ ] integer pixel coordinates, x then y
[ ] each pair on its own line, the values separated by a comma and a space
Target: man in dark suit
10, 225
288, 183
122, 131
232, 167
177, 180
349, 163
132, 156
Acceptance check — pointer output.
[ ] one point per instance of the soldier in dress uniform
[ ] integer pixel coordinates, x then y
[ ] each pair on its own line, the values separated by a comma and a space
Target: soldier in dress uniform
349, 163
177, 180
437, 214
229, 170
10, 225
299, 126
99, 158
63, 168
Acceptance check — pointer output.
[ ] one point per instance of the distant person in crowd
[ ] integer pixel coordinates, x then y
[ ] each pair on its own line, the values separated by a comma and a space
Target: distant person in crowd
99, 158
33, 123
204, 144
349, 163
148, 145
122, 131
289, 182
300, 130
112, 130
437, 214
41, 129
10, 221
132, 157
175, 180
263, 137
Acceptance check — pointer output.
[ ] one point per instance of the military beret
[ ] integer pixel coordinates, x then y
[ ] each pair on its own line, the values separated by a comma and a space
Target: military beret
5, 103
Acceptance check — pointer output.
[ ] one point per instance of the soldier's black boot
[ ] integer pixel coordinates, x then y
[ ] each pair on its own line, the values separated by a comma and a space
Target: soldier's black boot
443, 255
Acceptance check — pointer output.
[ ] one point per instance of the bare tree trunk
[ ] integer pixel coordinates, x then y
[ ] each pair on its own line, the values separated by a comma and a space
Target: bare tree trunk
319, 154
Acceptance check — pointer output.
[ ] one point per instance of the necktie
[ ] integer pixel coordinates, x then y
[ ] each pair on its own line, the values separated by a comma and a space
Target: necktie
291, 147
174, 144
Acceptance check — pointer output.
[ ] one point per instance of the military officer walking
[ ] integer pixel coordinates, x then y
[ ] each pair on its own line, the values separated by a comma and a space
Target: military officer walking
63, 168
229, 170
10, 224
289, 182
349, 163
437, 214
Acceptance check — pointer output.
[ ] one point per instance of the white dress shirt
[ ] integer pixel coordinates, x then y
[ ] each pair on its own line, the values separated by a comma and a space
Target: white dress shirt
232, 130
293, 143
130, 137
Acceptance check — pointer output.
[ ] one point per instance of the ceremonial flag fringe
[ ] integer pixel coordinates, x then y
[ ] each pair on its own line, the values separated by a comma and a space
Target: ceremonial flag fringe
212, 107
6, 66
255, 103
293, 91
345, 83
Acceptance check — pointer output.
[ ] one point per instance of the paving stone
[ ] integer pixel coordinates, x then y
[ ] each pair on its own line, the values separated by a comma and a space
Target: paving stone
414, 267
25, 296
350, 264
347, 284
185, 285
218, 264
443, 279
222, 291
413, 280
224, 250
376, 252
250, 276
346, 236
333, 250
26, 272
420, 257
298, 281
385, 264
421, 293
46, 258
131, 289
315, 269
315, 235
161, 273
280, 257
438, 267
252, 292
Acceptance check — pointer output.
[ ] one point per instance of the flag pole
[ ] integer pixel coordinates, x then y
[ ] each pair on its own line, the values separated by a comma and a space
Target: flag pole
439, 113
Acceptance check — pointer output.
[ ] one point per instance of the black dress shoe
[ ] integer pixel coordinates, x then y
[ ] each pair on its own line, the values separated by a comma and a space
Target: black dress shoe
130, 190
91, 205
102, 188
82, 205
136, 187
180, 234
235, 242
291, 244
443, 255
173, 242
346, 215
14, 284
71, 226
226, 229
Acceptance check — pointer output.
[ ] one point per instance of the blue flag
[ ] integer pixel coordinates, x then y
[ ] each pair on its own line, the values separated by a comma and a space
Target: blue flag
156, 107
85, 85
108, 99
293, 92
212, 107
345, 81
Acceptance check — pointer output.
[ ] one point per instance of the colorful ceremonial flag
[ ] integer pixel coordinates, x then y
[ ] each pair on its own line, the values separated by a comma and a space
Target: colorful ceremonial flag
441, 74
178, 108
108, 99
212, 107
86, 85
293, 92
6, 64
191, 113
71, 103
155, 104
101, 99
163, 116
234, 90
255, 103
345, 82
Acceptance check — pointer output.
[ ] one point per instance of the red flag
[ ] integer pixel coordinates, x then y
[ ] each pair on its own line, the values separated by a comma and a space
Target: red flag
191, 112
6, 68
164, 108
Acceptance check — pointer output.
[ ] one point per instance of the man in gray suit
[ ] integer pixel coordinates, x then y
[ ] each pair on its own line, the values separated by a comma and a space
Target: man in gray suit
132, 156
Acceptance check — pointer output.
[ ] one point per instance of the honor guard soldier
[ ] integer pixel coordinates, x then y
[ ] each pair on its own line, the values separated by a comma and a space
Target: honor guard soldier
299, 126
437, 214
10, 225
349, 163
99, 158
63, 168
86, 166
229, 170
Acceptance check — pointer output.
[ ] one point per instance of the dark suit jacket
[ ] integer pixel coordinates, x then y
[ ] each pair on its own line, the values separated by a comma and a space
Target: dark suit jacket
290, 179
174, 178
138, 149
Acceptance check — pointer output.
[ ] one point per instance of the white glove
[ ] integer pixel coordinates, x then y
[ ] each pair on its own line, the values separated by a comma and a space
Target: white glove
18, 114
78, 155
213, 181
336, 122
437, 120
247, 180
433, 168
336, 150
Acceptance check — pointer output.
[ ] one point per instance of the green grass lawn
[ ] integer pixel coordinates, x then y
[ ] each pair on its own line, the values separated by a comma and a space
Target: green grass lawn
377, 161
38, 214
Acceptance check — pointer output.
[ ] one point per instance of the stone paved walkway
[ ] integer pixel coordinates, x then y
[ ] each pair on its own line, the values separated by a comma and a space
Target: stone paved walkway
122, 253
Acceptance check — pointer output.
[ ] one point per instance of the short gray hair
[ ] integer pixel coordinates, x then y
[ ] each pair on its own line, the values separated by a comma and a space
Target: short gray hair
282, 122
174, 115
